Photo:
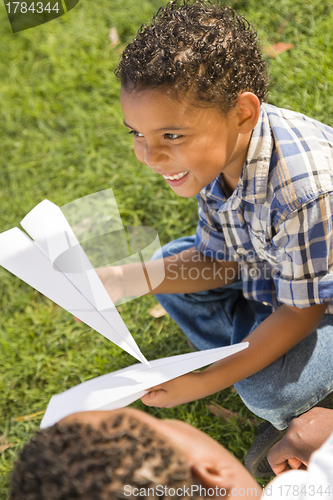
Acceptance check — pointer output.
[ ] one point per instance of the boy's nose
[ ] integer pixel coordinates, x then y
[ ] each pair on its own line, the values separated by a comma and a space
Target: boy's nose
153, 157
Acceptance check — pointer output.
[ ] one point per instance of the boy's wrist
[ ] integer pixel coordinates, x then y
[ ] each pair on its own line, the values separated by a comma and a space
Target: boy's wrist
205, 383
212, 379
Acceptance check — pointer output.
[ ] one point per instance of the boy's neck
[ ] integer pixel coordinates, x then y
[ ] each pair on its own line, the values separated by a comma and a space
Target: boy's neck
230, 184
231, 177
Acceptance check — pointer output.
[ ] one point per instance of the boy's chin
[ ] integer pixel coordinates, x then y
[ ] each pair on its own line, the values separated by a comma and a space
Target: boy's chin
185, 193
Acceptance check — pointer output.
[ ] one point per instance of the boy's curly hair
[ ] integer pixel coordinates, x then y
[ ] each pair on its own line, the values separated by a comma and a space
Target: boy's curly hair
78, 461
198, 46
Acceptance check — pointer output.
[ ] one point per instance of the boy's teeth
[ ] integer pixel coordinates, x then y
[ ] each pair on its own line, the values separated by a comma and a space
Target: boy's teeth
175, 177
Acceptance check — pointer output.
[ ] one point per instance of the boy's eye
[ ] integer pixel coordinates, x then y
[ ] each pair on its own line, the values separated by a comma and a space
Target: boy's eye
166, 136
172, 136
135, 133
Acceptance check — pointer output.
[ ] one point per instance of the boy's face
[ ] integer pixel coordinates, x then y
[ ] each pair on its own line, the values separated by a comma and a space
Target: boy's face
210, 462
189, 146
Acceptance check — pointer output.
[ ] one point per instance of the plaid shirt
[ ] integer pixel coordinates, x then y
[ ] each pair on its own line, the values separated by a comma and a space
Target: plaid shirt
278, 223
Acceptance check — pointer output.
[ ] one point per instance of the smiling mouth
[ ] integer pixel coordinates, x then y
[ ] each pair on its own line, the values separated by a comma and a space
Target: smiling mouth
175, 177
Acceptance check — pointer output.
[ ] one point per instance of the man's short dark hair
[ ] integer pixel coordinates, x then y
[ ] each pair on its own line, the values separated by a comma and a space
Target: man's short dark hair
78, 461
194, 45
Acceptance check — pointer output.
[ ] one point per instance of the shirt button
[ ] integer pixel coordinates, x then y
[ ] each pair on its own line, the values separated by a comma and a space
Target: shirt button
240, 251
254, 273
261, 251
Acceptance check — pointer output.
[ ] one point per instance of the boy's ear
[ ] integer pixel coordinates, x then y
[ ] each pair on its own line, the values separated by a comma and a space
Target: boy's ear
247, 111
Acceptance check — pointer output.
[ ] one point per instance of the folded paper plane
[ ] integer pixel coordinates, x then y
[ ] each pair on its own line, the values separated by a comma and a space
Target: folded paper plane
53, 262
120, 388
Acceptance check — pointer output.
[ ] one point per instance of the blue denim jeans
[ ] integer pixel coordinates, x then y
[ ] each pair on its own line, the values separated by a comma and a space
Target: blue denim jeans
283, 390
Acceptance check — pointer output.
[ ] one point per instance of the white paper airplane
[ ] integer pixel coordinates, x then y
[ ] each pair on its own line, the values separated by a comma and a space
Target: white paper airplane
39, 262
122, 387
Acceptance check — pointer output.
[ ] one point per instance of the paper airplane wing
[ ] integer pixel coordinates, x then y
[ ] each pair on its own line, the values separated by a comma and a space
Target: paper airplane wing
80, 292
122, 387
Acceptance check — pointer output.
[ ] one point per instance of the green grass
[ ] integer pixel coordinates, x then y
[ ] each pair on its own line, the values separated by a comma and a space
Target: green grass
62, 138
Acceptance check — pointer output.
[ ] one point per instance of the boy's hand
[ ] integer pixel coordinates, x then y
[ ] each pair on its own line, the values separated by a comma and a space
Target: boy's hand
177, 391
305, 435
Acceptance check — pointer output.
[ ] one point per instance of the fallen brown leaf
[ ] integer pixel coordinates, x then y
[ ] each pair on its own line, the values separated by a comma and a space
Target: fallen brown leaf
226, 415
223, 413
29, 417
4, 445
157, 311
113, 37
277, 48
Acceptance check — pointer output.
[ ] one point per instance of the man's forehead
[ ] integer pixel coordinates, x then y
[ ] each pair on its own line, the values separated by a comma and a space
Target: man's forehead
95, 418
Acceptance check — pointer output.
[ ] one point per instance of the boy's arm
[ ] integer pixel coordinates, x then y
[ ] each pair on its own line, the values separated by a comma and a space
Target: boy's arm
275, 336
186, 272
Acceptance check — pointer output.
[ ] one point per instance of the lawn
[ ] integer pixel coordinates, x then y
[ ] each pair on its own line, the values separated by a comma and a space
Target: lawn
62, 138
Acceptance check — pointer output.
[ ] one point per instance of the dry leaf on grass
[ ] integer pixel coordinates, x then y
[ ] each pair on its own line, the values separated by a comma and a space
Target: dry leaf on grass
223, 413
226, 415
113, 37
277, 48
157, 311
4, 445
29, 417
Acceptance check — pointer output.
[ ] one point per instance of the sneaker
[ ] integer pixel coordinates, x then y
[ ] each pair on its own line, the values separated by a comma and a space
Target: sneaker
256, 459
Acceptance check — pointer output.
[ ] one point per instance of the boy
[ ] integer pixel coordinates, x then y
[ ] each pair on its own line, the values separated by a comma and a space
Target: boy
128, 454
260, 267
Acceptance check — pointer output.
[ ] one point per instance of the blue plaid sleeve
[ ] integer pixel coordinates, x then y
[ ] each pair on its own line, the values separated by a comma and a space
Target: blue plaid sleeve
304, 250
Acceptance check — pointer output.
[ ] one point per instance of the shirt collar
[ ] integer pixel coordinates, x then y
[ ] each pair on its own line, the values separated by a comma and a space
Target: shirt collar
256, 169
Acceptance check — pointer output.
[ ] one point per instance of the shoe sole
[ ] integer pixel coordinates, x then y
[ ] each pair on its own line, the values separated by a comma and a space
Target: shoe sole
256, 459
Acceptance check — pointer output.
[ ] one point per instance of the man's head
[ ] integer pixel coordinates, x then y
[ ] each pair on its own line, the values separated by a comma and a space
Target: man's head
197, 47
123, 454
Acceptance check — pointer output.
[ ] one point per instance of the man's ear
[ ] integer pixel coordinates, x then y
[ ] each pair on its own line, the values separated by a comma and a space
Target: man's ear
247, 111
230, 479
211, 477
